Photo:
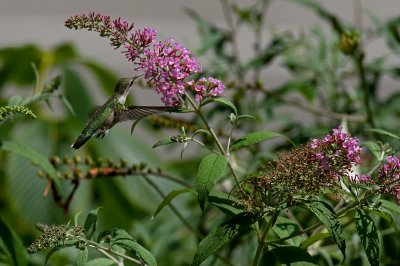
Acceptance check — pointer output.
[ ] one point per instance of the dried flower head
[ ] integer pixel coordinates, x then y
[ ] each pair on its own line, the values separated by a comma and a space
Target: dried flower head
306, 171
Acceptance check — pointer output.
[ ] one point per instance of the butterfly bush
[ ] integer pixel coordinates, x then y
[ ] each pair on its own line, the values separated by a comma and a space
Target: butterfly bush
166, 64
309, 170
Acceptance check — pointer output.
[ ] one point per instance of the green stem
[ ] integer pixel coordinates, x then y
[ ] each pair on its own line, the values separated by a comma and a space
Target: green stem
109, 251
262, 242
364, 85
173, 208
214, 136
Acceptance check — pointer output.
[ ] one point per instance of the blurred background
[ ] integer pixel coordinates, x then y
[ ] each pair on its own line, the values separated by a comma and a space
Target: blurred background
299, 55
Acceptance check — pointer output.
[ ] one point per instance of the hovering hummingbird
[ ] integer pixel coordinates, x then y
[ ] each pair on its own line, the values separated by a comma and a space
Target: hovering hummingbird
114, 111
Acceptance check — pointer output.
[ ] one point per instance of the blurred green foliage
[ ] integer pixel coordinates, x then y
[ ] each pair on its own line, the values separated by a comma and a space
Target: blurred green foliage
332, 81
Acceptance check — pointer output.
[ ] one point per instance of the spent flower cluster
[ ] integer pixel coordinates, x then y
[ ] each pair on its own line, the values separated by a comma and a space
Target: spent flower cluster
306, 171
166, 64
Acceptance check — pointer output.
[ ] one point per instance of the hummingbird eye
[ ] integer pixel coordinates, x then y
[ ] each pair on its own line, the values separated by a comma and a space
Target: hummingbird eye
130, 83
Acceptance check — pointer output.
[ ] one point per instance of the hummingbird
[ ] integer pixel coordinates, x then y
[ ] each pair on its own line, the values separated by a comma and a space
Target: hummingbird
114, 111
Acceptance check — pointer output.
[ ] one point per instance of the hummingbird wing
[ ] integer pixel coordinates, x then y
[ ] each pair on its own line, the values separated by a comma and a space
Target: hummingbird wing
137, 112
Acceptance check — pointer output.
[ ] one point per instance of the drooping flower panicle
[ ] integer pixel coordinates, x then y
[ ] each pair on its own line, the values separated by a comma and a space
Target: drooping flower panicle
166, 64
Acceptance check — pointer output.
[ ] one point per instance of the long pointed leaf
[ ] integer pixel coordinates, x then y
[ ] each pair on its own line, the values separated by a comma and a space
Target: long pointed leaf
369, 236
211, 169
328, 218
222, 235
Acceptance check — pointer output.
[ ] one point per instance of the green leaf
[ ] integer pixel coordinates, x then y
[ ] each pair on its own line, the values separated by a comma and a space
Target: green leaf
374, 148
35, 157
222, 235
201, 130
328, 217
170, 197
90, 223
124, 240
210, 170
390, 206
82, 257
284, 227
293, 256
225, 202
314, 238
221, 100
369, 236
51, 252
14, 247
101, 262
387, 216
384, 132
165, 141
254, 138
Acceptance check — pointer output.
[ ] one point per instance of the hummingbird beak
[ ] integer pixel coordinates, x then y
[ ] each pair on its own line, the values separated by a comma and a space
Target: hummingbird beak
133, 79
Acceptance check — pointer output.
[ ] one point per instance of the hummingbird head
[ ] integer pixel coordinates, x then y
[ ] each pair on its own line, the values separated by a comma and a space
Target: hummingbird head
122, 88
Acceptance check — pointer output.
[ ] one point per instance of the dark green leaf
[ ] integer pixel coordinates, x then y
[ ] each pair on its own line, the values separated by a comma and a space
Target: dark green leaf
35, 157
288, 256
103, 235
124, 240
15, 249
222, 235
384, 132
254, 138
210, 170
225, 202
101, 262
90, 223
82, 257
328, 217
170, 197
369, 236
165, 141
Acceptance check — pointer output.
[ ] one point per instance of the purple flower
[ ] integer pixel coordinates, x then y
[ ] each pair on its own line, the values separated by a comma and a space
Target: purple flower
336, 154
166, 64
389, 177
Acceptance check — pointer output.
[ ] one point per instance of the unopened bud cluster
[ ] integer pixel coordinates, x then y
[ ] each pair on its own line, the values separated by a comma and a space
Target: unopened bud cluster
87, 168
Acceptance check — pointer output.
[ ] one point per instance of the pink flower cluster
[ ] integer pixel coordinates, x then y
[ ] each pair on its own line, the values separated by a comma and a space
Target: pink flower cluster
167, 64
203, 88
336, 153
389, 177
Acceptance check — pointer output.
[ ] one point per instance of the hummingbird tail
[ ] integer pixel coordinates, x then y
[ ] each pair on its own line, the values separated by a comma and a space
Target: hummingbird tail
82, 139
